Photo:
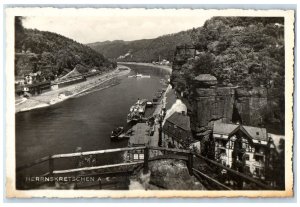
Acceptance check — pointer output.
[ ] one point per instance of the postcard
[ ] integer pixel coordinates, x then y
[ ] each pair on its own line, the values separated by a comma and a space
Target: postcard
126, 103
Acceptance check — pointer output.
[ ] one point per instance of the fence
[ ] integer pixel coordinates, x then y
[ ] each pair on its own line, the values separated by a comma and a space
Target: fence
192, 159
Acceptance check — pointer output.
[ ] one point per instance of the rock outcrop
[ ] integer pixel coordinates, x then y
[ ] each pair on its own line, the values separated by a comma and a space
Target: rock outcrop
170, 175
228, 104
213, 104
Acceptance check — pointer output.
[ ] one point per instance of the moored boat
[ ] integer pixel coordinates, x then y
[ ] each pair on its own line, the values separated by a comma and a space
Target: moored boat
137, 111
116, 133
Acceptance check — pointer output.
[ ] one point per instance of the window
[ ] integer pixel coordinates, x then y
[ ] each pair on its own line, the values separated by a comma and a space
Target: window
257, 149
259, 172
259, 159
247, 169
257, 133
222, 151
224, 144
231, 144
244, 143
250, 149
247, 157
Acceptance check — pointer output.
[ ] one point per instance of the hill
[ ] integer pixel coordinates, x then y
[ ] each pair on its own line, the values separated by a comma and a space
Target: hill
244, 51
247, 52
52, 54
145, 50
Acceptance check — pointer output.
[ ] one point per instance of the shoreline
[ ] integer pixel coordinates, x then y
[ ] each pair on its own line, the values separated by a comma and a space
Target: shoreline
164, 67
53, 97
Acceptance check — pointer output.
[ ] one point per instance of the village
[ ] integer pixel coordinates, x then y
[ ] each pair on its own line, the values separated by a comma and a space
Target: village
165, 123
213, 127
247, 149
31, 92
251, 150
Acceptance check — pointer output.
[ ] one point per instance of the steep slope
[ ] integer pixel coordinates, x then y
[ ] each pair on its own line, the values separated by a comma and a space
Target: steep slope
146, 50
53, 54
247, 52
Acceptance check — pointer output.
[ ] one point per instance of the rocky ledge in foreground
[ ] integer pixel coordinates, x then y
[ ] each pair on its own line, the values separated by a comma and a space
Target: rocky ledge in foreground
166, 175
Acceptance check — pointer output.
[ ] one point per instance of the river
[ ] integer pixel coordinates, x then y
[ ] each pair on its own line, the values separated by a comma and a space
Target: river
85, 121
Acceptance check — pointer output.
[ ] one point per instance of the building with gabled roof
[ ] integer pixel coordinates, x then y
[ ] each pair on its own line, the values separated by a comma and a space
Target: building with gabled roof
259, 135
244, 148
177, 130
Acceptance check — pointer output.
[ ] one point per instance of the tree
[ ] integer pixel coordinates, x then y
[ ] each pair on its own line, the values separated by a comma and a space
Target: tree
204, 64
19, 33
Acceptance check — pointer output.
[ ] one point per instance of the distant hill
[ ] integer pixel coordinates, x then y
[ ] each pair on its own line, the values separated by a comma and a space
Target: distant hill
53, 54
145, 50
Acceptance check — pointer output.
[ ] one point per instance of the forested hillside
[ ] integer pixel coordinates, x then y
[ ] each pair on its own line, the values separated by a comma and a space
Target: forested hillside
52, 54
247, 51
240, 51
146, 50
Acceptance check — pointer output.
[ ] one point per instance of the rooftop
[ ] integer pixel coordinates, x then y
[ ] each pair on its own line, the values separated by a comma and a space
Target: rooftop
257, 133
227, 129
72, 74
177, 126
180, 120
223, 128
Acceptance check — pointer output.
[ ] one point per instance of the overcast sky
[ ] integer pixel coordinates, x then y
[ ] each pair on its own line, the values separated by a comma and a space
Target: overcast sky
90, 29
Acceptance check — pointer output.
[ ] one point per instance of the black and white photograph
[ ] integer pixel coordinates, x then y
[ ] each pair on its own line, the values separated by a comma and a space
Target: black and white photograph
149, 103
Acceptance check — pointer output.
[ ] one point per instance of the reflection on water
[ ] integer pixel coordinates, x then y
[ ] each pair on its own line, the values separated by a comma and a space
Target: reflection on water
84, 121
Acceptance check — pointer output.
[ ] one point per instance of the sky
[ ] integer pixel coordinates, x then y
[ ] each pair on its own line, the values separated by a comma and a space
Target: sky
121, 25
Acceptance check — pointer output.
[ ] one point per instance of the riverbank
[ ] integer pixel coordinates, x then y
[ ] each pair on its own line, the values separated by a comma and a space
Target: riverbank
140, 134
56, 96
164, 67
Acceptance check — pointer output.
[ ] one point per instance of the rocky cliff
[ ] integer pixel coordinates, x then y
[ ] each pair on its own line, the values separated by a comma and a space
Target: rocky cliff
231, 104
254, 107
245, 54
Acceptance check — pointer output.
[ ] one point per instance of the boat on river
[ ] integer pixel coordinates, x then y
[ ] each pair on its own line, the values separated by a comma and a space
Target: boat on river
137, 111
139, 76
120, 134
116, 133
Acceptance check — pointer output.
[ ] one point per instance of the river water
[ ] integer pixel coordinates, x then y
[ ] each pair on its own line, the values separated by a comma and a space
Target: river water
85, 121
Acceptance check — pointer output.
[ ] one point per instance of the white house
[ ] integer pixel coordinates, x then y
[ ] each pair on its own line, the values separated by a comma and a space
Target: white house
244, 144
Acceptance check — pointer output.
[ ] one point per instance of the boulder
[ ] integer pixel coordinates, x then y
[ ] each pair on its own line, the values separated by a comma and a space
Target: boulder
171, 175
205, 80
